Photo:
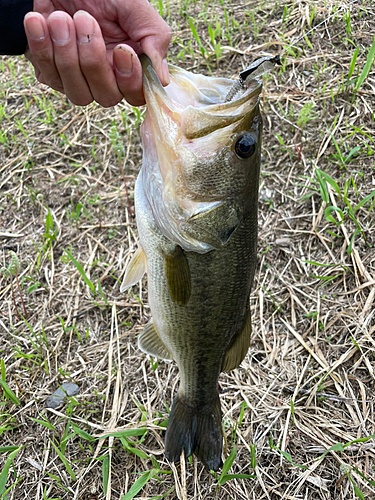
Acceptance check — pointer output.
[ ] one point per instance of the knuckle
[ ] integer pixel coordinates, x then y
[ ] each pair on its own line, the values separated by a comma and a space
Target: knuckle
134, 99
79, 101
108, 103
166, 34
82, 98
90, 63
63, 64
43, 57
55, 83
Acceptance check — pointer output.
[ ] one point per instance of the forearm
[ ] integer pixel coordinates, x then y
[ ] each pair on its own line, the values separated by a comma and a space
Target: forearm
12, 34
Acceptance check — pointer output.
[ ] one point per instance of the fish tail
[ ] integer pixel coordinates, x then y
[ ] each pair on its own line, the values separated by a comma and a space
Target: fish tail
195, 430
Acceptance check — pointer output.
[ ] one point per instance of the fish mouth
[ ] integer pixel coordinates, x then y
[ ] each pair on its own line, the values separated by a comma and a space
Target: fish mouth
196, 103
192, 107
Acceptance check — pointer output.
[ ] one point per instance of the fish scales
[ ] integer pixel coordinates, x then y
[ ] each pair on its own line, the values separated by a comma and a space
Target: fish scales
191, 332
196, 203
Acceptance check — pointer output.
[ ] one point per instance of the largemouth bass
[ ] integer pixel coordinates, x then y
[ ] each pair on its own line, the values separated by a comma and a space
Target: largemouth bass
196, 204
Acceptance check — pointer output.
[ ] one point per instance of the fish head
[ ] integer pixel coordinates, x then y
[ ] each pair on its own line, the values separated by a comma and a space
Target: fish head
201, 156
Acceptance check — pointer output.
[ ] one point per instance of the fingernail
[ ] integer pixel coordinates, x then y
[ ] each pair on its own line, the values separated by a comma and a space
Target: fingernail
164, 68
85, 26
35, 28
59, 30
123, 61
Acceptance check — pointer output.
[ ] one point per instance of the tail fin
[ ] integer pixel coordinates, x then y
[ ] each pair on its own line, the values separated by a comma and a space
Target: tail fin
195, 430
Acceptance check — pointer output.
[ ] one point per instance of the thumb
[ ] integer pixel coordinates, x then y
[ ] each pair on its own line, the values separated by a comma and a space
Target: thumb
145, 27
155, 47
44, 7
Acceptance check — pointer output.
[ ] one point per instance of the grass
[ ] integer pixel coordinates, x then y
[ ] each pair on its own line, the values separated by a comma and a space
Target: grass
298, 414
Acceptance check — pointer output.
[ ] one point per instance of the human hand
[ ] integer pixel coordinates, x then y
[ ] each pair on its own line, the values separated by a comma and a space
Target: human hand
88, 49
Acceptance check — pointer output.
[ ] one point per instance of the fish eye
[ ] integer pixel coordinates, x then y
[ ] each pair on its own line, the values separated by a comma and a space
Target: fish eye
245, 146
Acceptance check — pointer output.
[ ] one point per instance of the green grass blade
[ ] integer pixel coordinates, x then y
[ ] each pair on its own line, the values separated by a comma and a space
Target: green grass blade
352, 63
101, 292
45, 423
4, 495
127, 446
212, 36
328, 216
367, 67
360, 440
253, 459
5, 449
339, 154
358, 492
242, 412
125, 433
196, 37
66, 436
364, 477
65, 462
166, 495
308, 42
325, 279
194, 31
353, 153
81, 271
105, 473
365, 200
350, 246
318, 263
322, 186
9, 393
83, 434
227, 465
5, 471
335, 447
138, 485
330, 181
288, 457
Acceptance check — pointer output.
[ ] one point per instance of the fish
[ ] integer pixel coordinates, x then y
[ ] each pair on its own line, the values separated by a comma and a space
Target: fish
196, 204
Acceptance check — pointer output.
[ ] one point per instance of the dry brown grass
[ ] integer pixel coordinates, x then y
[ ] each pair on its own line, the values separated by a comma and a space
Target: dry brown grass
307, 382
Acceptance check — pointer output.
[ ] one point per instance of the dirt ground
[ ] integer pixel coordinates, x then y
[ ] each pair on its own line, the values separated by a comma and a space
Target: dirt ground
66, 212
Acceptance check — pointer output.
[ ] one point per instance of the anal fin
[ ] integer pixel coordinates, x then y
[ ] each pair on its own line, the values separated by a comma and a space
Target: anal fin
150, 342
178, 276
135, 270
239, 346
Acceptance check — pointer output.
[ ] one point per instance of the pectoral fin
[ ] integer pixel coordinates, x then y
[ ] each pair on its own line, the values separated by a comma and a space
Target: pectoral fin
150, 343
135, 270
238, 348
178, 276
